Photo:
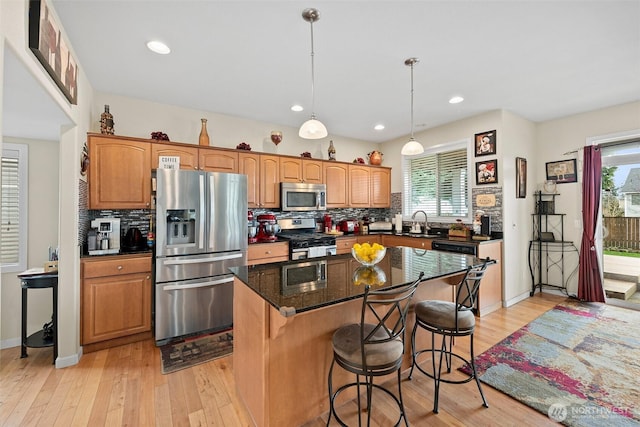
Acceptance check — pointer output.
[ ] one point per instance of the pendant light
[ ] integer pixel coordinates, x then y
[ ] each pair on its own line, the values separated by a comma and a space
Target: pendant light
412, 147
312, 128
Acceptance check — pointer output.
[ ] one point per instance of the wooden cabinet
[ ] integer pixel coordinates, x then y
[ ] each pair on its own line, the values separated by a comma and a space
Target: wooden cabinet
262, 253
212, 160
411, 242
380, 187
262, 179
344, 244
336, 177
119, 173
188, 155
290, 169
359, 186
312, 171
490, 293
301, 170
116, 298
196, 158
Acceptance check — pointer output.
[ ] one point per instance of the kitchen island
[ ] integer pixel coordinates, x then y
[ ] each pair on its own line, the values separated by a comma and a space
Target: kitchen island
285, 315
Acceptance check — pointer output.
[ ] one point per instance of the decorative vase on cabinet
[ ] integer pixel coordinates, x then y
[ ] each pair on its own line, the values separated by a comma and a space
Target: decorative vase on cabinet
204, 136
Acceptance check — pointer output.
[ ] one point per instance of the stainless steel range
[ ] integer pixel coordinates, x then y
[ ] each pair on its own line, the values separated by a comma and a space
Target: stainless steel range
304, 241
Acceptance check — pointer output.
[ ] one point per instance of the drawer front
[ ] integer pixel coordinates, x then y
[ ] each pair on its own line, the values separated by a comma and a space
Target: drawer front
268, 250
344, 244
116, 267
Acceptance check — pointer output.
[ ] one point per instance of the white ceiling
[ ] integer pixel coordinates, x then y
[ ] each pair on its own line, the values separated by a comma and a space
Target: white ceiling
539, 59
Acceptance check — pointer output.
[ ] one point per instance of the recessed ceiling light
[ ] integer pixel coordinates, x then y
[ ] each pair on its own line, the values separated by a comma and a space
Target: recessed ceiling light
379, 127
296, 108
456, 100
158, 47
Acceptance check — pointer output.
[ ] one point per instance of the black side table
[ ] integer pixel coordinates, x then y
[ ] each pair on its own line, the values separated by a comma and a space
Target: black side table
39, 281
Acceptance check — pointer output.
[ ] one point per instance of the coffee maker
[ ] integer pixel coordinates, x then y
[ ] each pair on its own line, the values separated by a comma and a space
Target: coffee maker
107, 236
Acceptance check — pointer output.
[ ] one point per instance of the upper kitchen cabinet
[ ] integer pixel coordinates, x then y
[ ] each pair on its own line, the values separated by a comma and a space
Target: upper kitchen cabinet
380, 184
300, 170
262, 179
359, 186
312, 171
188, 155
196, 158
336, 177
119, 173
212, 160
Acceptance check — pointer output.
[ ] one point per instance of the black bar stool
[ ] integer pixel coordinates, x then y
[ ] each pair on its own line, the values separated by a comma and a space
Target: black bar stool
449, 319
373, 349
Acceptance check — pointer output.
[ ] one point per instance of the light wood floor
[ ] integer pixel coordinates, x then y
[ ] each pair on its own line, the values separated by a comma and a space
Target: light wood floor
124, 386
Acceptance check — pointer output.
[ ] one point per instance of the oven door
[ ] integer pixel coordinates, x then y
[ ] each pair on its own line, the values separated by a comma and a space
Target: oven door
304, 277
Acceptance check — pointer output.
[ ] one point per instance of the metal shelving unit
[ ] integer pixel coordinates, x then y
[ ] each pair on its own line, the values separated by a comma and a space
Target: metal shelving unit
546, 252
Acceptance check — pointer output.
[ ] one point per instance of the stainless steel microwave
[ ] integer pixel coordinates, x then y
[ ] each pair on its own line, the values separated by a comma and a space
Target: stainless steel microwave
303, 197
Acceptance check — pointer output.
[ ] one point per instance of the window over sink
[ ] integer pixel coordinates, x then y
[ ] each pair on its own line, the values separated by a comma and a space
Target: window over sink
437, 182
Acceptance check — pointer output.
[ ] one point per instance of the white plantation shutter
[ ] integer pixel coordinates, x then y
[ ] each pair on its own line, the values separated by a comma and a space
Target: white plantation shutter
437, 182
14, 208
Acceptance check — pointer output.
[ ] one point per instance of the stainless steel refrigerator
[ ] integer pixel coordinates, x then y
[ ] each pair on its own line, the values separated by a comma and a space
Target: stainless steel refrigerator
201, 231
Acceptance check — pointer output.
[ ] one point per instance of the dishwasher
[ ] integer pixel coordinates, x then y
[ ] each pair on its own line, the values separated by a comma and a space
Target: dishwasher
465, 248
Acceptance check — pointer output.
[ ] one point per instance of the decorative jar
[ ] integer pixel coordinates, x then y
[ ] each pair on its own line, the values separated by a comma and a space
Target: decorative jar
375, 158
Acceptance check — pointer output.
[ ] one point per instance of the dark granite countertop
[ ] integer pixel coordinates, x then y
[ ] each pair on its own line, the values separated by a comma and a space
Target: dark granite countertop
297, 286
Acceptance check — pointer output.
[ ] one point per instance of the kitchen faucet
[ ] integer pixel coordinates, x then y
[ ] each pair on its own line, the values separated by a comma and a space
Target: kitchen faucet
426, 225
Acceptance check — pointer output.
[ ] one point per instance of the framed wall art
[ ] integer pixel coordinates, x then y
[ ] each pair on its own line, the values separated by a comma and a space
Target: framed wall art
521, 178
487, 172
485, 143
562, 172
48, 44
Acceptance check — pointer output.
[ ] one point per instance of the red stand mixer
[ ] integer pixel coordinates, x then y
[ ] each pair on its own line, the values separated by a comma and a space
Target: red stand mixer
267, 228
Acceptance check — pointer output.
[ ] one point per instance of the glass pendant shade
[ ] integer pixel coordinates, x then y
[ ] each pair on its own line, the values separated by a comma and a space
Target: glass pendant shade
412, 148
313, 129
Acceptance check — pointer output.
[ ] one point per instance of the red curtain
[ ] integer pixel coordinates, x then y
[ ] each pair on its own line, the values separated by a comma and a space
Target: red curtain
589, 279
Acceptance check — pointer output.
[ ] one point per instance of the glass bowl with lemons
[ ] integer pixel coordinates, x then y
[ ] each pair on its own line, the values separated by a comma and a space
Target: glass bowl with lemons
368, 254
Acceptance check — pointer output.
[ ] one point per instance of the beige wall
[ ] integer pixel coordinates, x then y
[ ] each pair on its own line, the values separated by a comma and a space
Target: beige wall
138, 118
42, 227
13, 35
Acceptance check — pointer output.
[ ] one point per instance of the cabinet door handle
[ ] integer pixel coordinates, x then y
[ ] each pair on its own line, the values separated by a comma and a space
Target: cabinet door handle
148, 277
119, 267
267, 252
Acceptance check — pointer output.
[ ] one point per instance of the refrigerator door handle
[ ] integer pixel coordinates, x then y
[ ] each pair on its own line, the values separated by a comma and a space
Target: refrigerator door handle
201, 260
197, 285
203, 211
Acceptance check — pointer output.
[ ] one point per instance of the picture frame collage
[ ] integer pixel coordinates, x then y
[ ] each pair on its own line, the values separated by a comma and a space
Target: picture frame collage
486, 170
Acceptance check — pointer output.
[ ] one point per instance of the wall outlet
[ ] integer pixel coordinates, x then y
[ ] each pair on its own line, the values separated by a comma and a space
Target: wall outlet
577, 223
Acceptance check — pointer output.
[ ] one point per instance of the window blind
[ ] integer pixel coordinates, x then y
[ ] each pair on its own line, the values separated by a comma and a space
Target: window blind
13, 212
437, 183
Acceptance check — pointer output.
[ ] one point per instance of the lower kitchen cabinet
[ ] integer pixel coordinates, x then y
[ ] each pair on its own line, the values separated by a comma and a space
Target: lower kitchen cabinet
490, 294
412, 242
344, 244
116, 296
263, 253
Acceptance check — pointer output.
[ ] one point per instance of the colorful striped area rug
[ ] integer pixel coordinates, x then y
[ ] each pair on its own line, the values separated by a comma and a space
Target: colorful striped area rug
193, 351
579, 363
